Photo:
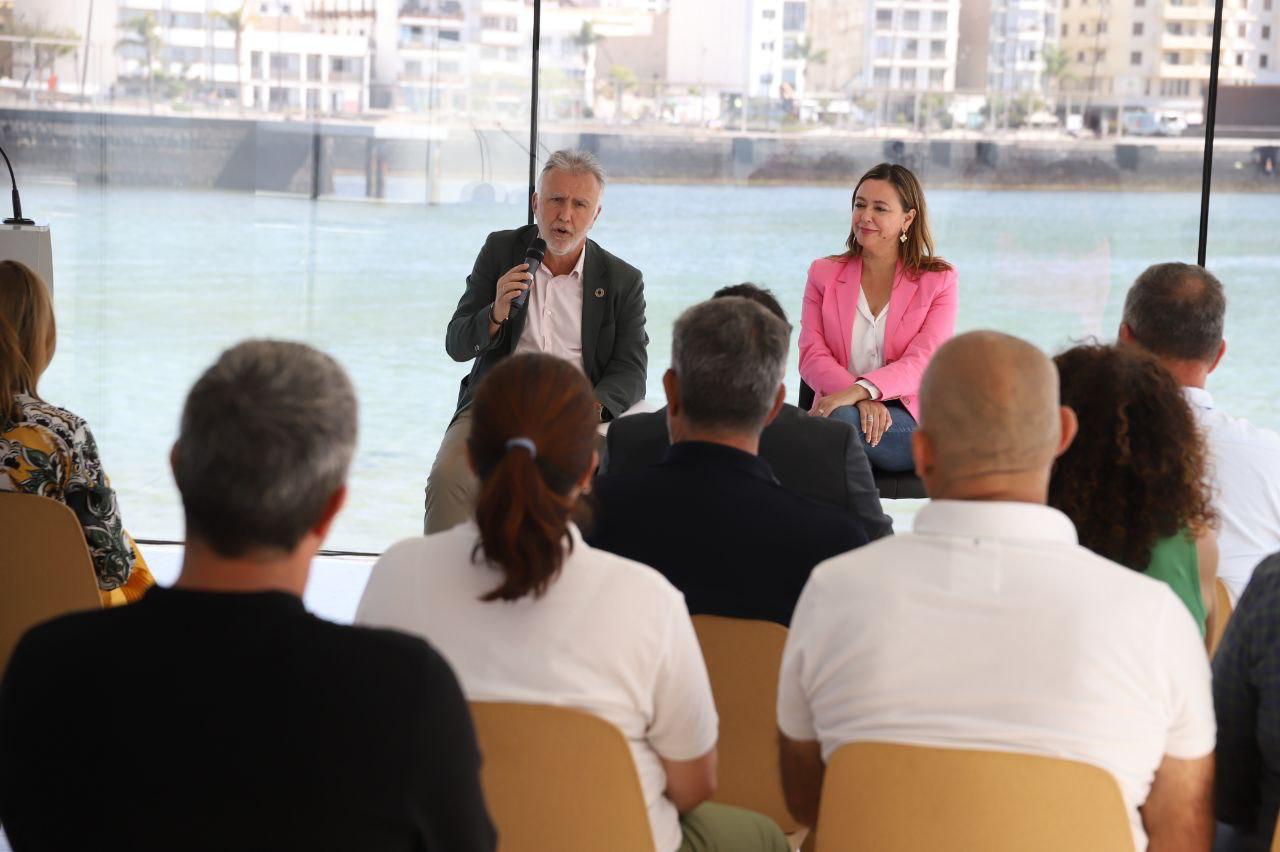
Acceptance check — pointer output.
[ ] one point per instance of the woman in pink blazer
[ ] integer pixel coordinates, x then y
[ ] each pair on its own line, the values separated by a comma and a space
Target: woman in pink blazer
873, 316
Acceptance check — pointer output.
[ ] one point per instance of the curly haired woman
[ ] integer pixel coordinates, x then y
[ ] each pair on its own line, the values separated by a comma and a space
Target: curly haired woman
1133, 481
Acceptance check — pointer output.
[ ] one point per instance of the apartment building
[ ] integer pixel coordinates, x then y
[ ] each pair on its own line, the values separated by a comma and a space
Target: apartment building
1156, 53
736, 48
432, 58
912, 45
1003, 44
837, 37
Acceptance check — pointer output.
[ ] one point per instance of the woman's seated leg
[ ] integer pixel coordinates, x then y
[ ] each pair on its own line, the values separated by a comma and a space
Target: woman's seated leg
893, 453
712, 827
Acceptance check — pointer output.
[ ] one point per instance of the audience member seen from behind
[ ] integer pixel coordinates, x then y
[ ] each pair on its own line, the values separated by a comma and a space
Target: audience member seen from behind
1176, 311
525, 610
817, 457
266, 726
1246, 695
990, 627
712, 517
1134, 481
874, 315
50, 452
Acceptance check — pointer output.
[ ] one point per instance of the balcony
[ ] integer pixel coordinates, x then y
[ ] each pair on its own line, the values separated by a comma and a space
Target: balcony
449, 9
1185, 42
1188, 13
1184, 72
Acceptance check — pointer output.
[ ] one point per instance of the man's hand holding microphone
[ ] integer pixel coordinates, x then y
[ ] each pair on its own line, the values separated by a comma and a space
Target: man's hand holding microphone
512, 290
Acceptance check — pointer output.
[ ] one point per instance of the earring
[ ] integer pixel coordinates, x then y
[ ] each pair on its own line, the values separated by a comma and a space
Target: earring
903, 238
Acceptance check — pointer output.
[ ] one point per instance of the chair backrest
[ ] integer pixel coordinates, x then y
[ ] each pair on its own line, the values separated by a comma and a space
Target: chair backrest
45, 567
805, 400
743, 657
557, 778
901, 798
1221, 615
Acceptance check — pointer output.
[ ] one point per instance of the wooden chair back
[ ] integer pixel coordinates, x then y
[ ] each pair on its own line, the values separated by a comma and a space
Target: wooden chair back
1221, 615
559, 779
45, 567
900, 798
743, 657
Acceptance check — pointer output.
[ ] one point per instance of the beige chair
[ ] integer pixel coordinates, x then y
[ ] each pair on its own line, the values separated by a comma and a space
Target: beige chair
559, 780
45, 567
1221, 615
899, 798
743, 658
1275, 838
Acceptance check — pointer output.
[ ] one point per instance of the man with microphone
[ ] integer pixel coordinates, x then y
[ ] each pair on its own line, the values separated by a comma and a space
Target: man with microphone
576, 301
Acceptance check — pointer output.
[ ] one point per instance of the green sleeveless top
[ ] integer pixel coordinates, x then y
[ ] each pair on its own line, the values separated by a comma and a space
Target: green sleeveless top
1174, 560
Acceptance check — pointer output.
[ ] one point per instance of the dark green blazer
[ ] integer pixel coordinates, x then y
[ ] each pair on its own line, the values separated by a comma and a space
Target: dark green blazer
614, 354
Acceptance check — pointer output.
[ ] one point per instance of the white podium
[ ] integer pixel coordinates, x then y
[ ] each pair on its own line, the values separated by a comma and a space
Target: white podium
31, 245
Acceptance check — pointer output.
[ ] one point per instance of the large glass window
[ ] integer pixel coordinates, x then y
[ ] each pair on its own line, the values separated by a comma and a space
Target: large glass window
327, 171
182, 216
1240, 251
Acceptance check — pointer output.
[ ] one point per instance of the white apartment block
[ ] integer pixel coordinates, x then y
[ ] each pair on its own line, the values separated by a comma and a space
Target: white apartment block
912, 45
737, 47
1020, 32
295, 65
433, 60
196, 44
1156, 53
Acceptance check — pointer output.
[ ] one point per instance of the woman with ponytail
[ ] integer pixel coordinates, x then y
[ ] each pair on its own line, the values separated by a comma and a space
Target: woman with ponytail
524, 610
50, 452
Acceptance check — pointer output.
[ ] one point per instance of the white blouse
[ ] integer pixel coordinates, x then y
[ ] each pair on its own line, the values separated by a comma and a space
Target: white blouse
866, 350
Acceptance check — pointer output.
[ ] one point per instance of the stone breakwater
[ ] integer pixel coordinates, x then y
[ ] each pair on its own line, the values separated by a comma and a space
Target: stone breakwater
457, 163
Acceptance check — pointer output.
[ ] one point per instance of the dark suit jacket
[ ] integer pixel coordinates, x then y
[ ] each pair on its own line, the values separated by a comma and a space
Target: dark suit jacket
208, 721
614, 341
717, 524
817, 457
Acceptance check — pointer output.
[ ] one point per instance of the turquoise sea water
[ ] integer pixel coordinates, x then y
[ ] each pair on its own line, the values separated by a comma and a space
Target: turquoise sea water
152, 284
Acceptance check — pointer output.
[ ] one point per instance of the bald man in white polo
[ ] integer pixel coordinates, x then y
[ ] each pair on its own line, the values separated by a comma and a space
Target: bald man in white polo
989, 627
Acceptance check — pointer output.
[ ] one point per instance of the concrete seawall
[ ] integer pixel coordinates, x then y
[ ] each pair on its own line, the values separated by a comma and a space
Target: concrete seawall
247, 154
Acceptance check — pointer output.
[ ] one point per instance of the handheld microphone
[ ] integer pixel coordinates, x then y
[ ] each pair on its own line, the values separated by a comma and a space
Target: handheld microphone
537, 251
17, 218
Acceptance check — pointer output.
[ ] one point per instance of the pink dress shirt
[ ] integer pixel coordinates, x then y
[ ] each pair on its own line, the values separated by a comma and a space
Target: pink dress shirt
922, 315
554, 321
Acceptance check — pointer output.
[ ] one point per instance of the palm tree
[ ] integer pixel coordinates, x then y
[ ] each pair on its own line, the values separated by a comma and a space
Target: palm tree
1056, 68
235, 21
587, 39
804, 50
44, 54
623, 79
142, 32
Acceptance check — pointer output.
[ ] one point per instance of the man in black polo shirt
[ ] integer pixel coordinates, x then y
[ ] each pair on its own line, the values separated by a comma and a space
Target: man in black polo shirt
219, 714
711, 516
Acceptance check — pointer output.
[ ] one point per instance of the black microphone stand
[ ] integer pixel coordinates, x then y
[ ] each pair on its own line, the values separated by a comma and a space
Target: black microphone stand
17, 218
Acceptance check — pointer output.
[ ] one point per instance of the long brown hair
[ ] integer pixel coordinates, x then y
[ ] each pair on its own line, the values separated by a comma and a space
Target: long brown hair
533, 431
28, 334
1136, 472
916, 253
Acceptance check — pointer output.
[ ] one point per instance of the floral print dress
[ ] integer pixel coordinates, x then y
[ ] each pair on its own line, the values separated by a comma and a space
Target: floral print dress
50, 452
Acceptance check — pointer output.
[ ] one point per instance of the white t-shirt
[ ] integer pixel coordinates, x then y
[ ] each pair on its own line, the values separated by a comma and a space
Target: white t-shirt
990, 627
1245, 470
610, 636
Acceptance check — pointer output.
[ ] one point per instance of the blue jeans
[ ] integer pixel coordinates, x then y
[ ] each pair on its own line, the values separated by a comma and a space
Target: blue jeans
893, 453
